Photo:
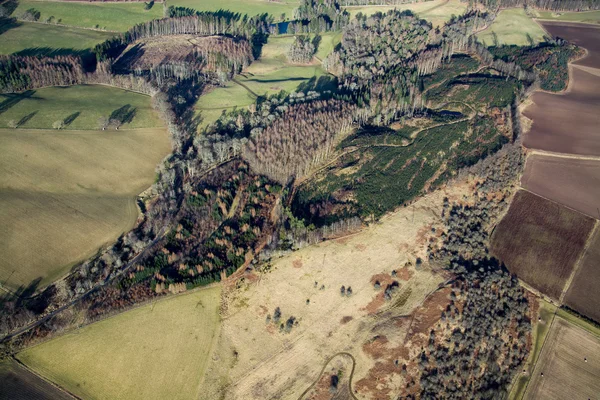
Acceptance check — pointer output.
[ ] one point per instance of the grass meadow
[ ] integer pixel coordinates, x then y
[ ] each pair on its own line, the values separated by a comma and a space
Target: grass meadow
437, 11
110, 16
588, 17
65, 193
250, 7
29, 38
268, 75
512, 26
159, 351
80, 107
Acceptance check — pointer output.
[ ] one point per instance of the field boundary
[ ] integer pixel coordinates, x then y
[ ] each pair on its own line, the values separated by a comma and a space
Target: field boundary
48, 381
578, 263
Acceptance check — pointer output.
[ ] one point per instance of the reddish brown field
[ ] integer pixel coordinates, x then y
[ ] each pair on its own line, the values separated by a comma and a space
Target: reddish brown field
569, 181
568, 122
584, 294
586, 36
540, 241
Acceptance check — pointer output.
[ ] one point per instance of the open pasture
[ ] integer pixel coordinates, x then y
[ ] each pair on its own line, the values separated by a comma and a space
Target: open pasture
250, 7
109, 16
306, 284
78, 107
541, 241
156, 351
270, 74
569, 366
512, 26
583, 295
28, 38
65, 193
17, 383
569, 181
588, 17
436, 11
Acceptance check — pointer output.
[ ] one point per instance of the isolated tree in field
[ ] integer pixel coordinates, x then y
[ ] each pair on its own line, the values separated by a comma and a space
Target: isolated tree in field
301, 50
31, 15
276, 315
58, 124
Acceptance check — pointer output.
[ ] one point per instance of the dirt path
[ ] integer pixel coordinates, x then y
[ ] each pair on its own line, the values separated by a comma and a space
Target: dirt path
323, 370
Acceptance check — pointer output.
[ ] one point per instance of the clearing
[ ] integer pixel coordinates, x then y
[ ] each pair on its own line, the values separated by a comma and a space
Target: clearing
437, 11
268, 75
569, 366
261, 359
158, 350
17, 383
583, 295
79, 107
572, 182
541, 241
109, 16
512, 26
29, 38
65, 193
250, 7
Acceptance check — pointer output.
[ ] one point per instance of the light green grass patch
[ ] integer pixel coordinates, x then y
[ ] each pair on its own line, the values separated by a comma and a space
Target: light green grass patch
45, 38
84, 104
157, 351
512, 26
110, 16
250, 7
437, 11
269, 75
575, 320
588, 17
540, 331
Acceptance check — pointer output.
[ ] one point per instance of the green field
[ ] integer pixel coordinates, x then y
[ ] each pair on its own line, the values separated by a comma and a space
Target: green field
538, 335
250, 7
33, 38
589, 17
83, 104
512, 26
157, 351
437, 11
65, 193
269, 75
110, 16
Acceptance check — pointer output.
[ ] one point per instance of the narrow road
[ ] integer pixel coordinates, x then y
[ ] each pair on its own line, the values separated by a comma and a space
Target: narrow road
323, 370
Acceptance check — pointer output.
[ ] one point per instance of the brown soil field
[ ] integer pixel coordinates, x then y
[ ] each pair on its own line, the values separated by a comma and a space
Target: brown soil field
583, 294
256, 359
567, 122
17, 383
569, 366
541, 241
569, 181
583, 35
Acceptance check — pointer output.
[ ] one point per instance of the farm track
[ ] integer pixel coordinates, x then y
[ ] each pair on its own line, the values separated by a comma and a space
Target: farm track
323, 370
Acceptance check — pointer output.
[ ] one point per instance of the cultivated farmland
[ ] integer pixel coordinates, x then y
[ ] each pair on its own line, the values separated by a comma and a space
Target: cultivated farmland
109, 16
569, 181
540, 241
27, 38
65, 193
569, 366
156, 351
79, 107
587, 36
512, 26
583, 295
17, 383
